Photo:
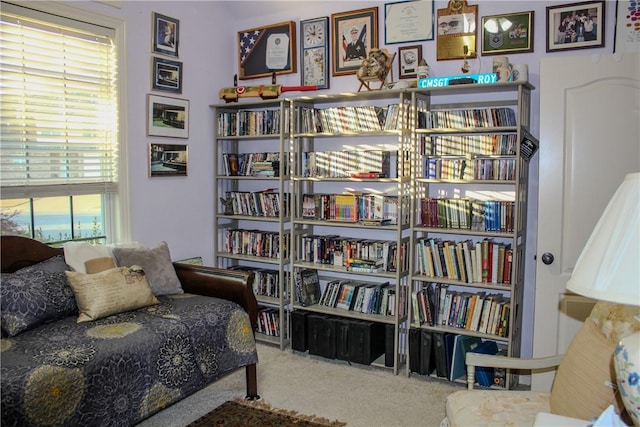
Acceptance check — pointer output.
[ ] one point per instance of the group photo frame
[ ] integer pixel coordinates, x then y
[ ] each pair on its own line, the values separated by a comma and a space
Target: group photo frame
354, 34
507, 33
167, 116
166, 34
166, 75
575, 26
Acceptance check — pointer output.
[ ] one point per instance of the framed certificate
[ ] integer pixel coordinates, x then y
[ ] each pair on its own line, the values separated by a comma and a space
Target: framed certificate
314, 52
408, 21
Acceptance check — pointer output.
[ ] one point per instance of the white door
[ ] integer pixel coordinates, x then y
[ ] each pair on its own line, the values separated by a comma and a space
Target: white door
589, 140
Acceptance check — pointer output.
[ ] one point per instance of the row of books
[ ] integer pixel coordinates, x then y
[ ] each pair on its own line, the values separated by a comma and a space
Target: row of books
461, 145
254, 164
356, 254
346, 164
269, 322
266, 282
368, 208
437, 305
445, 355
361, 297
463, 169
485, 261
255, 203
477, 215
246, 123
255, 243
468, 117
364, 118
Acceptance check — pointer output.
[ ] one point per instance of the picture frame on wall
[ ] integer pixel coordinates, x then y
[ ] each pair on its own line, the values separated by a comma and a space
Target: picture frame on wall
627, 29
408, 59
354, 34
457, 31
575, 26
167, 116
314, 52
166, 75
265, 50
168, 160
408, 21
166, 34
507, 33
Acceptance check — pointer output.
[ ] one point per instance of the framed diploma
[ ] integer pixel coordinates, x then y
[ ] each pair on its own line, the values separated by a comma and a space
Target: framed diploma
263, 51
457, 26
314, 52
408, 21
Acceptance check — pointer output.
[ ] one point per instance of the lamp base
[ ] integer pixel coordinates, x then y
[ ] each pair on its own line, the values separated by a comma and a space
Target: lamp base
626, 360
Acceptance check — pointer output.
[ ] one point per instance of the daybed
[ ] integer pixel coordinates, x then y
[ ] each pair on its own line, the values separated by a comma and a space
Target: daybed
122, 368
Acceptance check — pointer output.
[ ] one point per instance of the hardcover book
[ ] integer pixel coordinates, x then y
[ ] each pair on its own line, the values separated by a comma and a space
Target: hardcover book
308, 287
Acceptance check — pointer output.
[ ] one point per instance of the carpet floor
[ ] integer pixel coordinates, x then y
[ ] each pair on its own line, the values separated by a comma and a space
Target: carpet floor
358, 395
241, 413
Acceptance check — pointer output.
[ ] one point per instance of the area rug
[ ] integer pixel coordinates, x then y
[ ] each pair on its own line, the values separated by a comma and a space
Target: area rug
242, 413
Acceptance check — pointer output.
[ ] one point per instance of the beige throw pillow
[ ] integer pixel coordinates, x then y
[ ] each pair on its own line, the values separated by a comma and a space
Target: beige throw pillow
110, 292
584, 385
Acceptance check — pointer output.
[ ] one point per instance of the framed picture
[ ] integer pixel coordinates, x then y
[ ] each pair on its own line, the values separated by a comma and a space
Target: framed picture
166, 34
263, 51
355, 33
627, 30
167, 160
575, 26
167, 116
508, 33
166, 75
314, 52
409, 58
408, 21
457, 24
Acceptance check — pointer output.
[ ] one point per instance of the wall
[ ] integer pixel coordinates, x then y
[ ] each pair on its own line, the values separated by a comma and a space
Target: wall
179, 209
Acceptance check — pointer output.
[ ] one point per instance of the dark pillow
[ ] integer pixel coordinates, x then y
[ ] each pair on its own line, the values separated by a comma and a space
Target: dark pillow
54, 264
31, 298
157, 265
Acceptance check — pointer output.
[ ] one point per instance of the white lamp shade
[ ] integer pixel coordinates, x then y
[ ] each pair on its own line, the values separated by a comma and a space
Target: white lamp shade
608, 268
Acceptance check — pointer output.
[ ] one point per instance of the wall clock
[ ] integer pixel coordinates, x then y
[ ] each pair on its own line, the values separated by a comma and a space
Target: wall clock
314, 52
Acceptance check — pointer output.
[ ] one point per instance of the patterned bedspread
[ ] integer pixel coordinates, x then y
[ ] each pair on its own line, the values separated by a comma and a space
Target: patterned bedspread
123, 368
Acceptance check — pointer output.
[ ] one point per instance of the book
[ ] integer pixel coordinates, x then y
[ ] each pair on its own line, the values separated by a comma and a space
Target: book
308, 287
461, 345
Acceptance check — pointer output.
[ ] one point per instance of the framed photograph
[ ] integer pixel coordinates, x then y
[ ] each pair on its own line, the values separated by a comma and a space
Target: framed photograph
408, 59
355, 33
167, 116
627, 30
167, 160
457, 25
166, 34
575, 26
263, 51
314, 52
166, 75
508, 33
408, 21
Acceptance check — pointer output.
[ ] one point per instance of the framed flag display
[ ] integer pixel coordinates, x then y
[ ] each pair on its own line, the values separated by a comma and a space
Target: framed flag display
263, 51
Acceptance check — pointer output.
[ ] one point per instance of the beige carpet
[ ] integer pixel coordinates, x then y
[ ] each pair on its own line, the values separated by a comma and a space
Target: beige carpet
360, 396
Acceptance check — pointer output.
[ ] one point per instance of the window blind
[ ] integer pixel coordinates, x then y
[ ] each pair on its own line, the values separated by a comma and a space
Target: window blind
58, 106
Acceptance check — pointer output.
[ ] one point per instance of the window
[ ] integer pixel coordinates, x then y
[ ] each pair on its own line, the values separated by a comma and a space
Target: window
59, 91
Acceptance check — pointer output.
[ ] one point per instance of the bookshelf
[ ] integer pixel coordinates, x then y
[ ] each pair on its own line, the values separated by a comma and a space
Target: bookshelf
350, 202
251, 212
468, 219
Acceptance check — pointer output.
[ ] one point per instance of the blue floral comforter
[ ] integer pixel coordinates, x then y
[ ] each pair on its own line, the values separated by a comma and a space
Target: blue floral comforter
123, 368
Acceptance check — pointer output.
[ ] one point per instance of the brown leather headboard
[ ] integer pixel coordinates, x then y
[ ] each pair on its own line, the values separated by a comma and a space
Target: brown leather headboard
17, 252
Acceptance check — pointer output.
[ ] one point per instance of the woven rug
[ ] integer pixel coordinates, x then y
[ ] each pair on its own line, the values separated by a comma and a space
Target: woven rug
242, 413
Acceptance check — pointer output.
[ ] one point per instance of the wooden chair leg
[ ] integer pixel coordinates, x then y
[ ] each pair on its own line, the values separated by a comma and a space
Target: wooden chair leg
252, 382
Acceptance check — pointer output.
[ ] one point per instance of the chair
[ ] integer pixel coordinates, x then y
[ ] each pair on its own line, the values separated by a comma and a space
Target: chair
368, 81
581, 387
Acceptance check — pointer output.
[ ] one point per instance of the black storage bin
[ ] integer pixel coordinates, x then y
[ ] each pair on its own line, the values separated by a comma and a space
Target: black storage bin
342, 338
366, 341
321, 335
299, 330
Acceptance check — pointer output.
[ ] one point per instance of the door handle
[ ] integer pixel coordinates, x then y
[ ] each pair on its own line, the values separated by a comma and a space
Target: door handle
547, 258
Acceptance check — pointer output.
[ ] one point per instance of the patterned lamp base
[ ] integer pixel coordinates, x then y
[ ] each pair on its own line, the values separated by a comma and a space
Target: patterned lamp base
626, 360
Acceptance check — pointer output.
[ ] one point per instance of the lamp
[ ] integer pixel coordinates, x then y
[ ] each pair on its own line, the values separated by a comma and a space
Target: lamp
608, 269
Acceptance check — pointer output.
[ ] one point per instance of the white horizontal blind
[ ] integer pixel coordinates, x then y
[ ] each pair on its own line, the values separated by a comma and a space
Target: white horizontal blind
58, 106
